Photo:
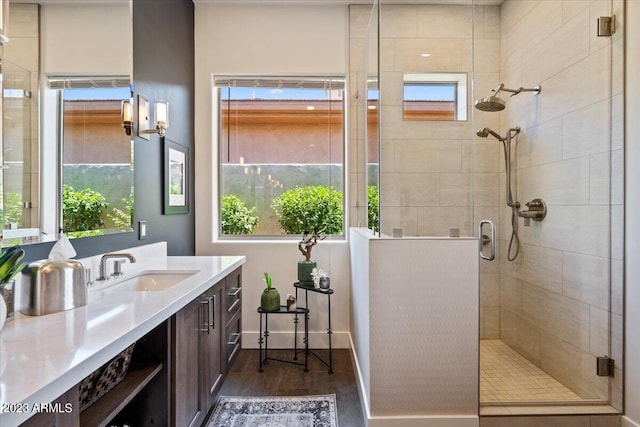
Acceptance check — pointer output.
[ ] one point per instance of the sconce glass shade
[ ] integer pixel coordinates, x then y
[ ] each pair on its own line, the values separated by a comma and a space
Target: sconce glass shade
161, 110
126, 116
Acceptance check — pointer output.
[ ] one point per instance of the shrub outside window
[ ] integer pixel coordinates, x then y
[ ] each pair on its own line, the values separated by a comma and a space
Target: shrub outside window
281, 155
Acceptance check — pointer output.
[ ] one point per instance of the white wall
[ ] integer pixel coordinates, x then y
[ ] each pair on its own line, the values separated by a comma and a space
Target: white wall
632, 232
86, 39
267, 40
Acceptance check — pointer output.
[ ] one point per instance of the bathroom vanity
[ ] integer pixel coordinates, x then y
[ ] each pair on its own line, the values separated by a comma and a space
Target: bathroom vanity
183, 315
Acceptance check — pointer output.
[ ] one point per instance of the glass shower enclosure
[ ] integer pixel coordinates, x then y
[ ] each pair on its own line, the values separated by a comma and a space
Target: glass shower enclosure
541, 159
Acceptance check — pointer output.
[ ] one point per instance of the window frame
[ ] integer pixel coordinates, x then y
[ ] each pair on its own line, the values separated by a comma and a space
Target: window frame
217, 123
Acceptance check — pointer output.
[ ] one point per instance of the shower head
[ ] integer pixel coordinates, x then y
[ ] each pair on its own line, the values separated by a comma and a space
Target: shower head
485, 132
490, 104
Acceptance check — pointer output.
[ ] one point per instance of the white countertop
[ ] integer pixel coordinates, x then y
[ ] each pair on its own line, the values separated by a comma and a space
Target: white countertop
42, 357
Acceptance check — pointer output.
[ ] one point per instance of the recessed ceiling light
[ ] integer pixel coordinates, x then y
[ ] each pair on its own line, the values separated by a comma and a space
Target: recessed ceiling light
310, 107
425, 55
371, 107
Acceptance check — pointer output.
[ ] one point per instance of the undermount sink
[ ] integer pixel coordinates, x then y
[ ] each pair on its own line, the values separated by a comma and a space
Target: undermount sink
155, 280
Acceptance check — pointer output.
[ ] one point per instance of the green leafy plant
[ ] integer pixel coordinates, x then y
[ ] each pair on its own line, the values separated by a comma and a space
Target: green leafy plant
123, 218
82, 210
373, 206
12, 209
10, 263
316, 208
236, 218
268, 280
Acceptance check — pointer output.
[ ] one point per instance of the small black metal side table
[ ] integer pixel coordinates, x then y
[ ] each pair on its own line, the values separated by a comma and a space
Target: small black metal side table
327, 292
264, 337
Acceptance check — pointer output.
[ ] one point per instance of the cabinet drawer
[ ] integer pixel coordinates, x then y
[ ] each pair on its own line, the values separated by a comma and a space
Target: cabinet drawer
232, 294
233, 334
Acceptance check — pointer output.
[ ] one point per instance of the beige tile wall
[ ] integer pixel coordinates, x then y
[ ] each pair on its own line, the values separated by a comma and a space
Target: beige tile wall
555, 300
23, 51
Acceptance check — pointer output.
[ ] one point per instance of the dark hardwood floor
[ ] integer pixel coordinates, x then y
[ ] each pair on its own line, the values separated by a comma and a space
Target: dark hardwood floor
283, 379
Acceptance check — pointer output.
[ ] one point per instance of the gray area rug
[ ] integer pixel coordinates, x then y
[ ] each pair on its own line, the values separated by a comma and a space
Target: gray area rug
275, 411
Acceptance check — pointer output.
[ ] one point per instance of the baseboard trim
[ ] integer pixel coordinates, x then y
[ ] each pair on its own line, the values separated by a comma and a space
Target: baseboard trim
627, 422
362, 392
285, 340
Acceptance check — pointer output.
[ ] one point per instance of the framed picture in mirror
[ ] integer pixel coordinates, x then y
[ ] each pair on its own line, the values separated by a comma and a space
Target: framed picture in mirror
176, 163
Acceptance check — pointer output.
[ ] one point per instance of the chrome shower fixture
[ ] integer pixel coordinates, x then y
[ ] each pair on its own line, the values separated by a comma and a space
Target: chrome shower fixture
494, 103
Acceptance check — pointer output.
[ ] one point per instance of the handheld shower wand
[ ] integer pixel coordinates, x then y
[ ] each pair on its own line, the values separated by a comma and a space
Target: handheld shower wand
514, 242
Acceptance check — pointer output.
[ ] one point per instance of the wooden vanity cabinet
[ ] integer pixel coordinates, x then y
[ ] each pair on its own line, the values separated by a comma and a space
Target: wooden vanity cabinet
232, 315
197, 370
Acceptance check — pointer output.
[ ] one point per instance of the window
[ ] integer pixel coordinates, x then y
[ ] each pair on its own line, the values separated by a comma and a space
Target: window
435, 96
97, 164
281, 155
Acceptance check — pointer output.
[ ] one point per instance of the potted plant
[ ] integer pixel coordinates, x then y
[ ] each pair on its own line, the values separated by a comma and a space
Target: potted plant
9, 266
270, 299
306, 266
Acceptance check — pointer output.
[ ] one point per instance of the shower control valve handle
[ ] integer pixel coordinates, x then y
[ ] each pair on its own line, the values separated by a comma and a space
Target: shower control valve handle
537, 210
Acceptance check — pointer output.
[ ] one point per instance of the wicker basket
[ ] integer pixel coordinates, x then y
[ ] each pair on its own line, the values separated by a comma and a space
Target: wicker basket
103, 379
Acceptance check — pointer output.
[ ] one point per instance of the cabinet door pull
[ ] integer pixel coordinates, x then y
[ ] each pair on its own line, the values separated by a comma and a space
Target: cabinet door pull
212, 319
233, 292
205, 326
236, 337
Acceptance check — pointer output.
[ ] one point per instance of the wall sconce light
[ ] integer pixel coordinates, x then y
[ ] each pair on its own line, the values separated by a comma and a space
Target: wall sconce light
126, 116
161, 113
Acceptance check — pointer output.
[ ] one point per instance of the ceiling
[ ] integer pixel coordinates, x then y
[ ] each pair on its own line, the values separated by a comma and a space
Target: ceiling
347, 2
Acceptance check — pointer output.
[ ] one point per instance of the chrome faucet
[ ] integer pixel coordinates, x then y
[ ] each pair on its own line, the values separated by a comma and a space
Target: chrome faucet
119, 257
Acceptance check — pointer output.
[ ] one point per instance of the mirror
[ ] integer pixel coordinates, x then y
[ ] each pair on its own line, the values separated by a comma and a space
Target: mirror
66, 69
435, 96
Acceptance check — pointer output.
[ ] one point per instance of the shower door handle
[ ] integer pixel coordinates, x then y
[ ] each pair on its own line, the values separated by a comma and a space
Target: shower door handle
492, 255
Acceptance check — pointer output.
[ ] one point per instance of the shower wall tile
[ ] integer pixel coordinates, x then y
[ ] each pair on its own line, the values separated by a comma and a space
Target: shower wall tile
617, 286
409, 189
603, 181
561, 49
446, 55
541, 267
599, 332
487, 22
545, 18
388, 155
571, 9
24, 20
429, 156
520, 335
444, 130
585, 278
387, 55
359, 21
564, 93
484, 189
540, 144
489, 323
392, 88
21, 49
617, 74
568, 365
511, 295
581, 229
485, 60
481, 156
455, 189
556, 314
586, 131
393, 126
436, 221
399, 22
617, 125
617, 232
561, 183
445, 21
399, 217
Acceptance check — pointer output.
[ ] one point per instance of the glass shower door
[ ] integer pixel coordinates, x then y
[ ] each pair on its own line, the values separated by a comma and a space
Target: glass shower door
19, 150
551, 301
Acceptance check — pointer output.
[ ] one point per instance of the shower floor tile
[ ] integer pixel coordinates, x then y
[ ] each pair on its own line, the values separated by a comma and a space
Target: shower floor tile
506, 376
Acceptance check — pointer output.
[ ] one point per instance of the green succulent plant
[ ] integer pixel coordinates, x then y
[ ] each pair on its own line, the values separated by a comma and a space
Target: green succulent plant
10, 263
